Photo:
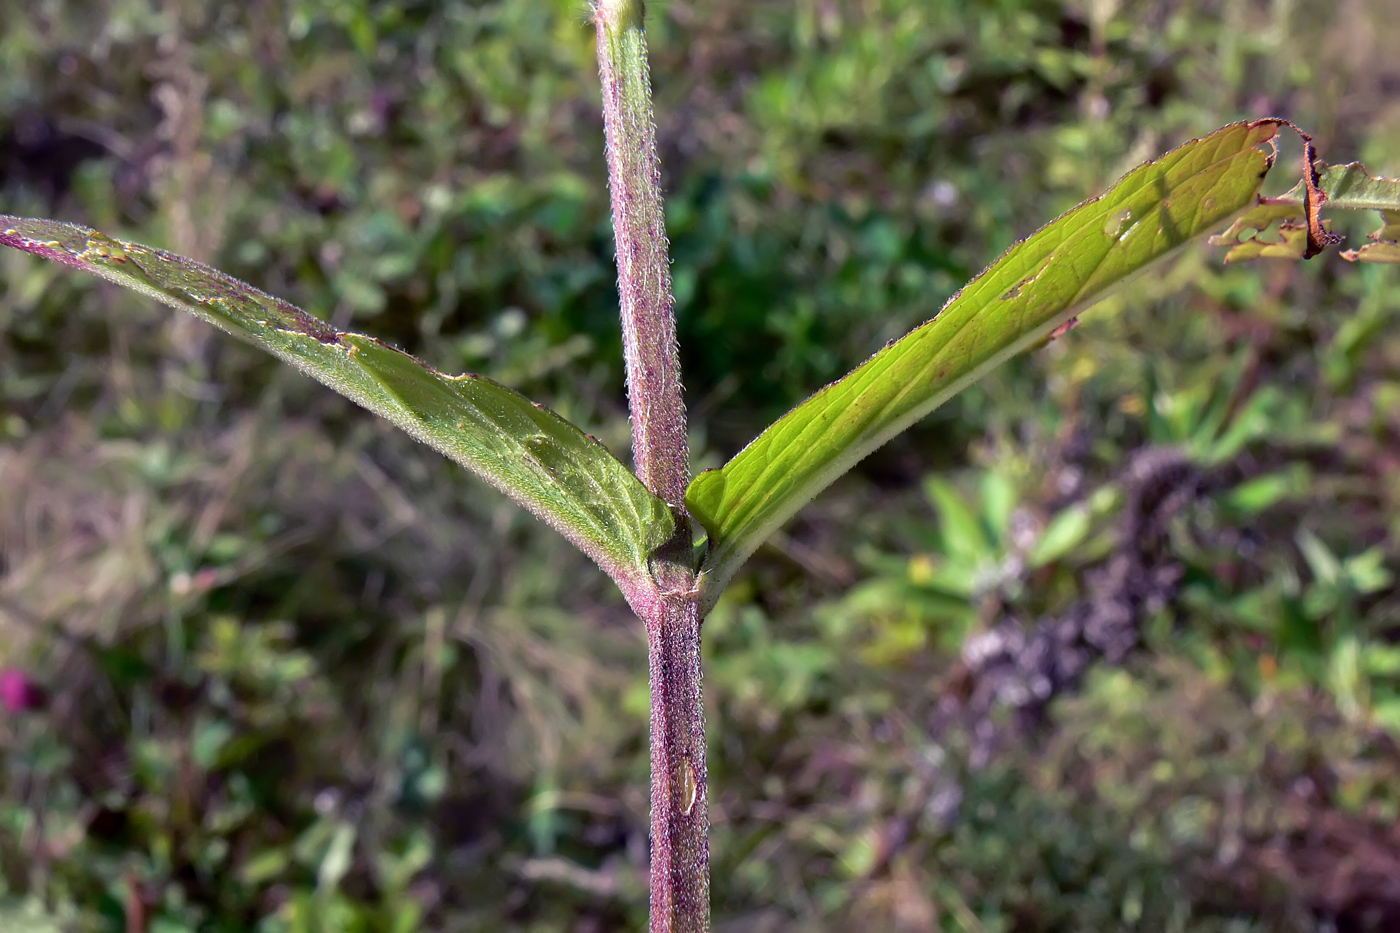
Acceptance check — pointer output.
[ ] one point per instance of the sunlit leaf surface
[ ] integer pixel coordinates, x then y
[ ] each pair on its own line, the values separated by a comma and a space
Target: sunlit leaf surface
1034, 287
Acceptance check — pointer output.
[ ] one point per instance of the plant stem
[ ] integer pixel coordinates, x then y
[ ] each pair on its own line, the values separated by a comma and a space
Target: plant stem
643, 264
680, 857
680, 821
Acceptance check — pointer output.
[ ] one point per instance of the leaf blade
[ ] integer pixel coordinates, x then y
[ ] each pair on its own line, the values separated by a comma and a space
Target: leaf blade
1035, 286
533, 455
1351, 187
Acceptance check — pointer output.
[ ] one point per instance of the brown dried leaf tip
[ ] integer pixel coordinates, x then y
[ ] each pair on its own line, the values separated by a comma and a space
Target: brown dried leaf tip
1290, 226
1319, 238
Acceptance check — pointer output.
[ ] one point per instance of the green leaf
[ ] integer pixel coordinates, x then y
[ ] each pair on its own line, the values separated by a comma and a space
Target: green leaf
1034, 287
963, 535
335, 864
1321, 561
1367, 572
1264, 492
1268, 231
1384, 245
998, 505
1350, 187
1065, 532
533, 455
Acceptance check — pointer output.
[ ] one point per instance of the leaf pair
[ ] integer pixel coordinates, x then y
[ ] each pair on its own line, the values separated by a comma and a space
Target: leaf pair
576, 485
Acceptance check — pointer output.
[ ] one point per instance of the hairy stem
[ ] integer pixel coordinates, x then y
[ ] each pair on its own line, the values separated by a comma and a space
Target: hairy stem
680, 858
680, 821
643, 265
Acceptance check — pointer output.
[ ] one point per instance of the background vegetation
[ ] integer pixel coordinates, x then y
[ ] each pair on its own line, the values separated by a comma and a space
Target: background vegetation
272, 666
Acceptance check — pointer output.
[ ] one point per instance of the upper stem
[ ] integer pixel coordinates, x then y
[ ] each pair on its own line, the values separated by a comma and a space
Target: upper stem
643, 265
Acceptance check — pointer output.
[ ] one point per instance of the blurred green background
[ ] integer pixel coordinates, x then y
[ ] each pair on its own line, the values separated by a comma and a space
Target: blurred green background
303, 675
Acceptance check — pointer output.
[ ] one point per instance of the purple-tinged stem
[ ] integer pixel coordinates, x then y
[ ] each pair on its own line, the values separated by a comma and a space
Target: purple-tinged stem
680, 856
680, 816
643, 264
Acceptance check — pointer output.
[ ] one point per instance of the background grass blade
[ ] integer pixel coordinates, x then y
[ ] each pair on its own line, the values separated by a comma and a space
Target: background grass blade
1035, 286
536, 457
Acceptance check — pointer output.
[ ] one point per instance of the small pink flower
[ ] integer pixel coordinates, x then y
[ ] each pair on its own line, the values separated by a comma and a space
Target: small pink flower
18, 693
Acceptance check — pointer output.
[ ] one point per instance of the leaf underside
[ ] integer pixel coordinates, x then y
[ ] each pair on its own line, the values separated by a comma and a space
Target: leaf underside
1035, 287
530, 453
